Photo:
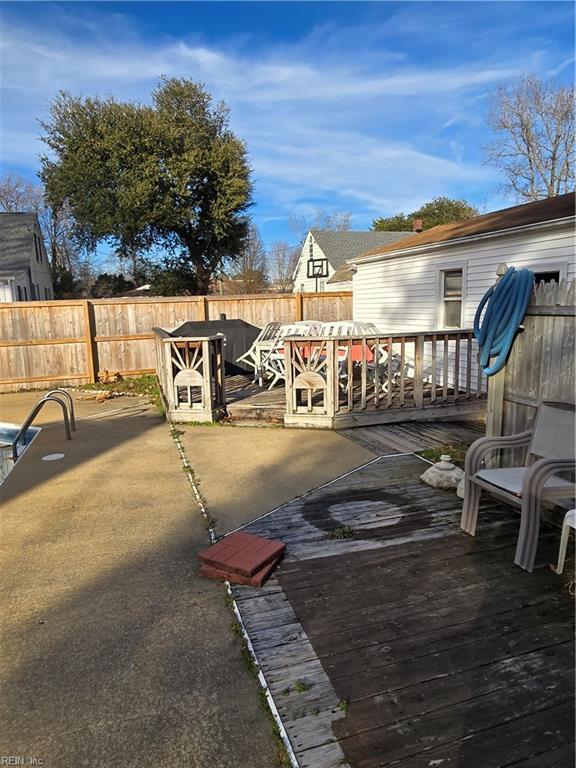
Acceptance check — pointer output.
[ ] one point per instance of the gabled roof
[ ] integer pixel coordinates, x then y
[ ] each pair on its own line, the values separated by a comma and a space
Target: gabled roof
542, 211
338, 247
16, 244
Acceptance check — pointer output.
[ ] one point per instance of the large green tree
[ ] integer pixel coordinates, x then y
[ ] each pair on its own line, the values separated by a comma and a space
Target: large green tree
168, 177
440, 210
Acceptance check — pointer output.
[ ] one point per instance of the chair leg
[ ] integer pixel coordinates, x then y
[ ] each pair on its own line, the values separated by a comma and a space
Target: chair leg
563, 545
470, 507
529, 532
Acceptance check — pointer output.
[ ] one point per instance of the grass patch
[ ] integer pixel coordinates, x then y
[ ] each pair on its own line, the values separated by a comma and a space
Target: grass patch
134, 386
345, 532
457, 453
282, 758
301, 686
343, 705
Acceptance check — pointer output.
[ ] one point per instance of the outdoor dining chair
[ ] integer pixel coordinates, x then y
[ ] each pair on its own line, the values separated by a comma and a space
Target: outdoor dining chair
550, 450
266, 335
273, 363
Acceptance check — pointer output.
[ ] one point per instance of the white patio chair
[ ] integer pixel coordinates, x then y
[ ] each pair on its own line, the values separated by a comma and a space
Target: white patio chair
273, 364
569, 524
550, 450
262, 342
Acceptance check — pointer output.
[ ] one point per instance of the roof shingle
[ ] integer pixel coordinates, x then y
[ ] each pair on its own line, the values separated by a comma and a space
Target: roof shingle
16, 241
541, 211
338, 247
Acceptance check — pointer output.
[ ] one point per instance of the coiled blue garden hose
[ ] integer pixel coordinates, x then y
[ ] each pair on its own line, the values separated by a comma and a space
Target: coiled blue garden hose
506, 303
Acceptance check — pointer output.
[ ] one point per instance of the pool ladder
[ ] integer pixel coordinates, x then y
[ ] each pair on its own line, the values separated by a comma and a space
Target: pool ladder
59, 396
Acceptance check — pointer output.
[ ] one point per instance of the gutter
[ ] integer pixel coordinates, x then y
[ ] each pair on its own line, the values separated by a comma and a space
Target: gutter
557, 223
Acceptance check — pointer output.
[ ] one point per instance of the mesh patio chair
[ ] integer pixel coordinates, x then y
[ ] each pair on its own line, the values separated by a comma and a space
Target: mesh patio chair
550, 450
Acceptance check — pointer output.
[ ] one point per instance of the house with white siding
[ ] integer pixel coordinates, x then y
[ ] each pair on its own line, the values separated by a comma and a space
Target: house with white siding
24, 268
435, 279
325, 250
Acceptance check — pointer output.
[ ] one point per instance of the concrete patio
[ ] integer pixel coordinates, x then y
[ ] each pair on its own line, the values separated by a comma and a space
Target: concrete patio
114, 651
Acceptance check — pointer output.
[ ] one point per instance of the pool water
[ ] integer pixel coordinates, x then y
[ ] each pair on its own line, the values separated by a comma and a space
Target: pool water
7, 433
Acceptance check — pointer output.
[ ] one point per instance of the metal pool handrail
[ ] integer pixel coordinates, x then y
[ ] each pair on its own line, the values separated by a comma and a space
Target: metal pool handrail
32, 415
68, 396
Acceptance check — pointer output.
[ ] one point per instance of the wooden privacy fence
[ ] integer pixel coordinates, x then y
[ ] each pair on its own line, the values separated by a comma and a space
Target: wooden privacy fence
358, 380
541, 363
69, 342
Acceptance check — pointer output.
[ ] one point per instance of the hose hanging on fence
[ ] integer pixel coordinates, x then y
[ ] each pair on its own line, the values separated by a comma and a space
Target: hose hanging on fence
507, 302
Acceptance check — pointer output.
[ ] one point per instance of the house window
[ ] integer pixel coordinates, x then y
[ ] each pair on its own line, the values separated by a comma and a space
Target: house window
547, 277
451, 298
311, 249
37, 248
19, 293
32, 291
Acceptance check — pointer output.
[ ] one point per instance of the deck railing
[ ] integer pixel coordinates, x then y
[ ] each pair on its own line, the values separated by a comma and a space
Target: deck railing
191, 375
353, 380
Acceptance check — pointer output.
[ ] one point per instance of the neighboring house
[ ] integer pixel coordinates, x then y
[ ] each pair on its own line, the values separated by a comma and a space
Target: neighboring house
24, 268
325, 250
435, 279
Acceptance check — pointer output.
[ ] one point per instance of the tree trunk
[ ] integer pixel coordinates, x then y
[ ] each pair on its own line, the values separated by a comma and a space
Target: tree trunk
203, 279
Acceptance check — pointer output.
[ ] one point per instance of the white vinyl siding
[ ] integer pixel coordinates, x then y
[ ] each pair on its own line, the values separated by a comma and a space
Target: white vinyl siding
401, 294
302, 282
306, 284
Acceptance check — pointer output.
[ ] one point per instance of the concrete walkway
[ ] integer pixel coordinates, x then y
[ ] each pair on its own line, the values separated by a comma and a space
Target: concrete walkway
113, 652
244, 472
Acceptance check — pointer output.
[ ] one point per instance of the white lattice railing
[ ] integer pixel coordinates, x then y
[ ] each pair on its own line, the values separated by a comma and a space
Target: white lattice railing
369, 379
191, 375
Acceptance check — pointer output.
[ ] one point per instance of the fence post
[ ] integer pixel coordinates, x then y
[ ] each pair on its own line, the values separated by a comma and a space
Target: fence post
206, 308
91, 349
495, 404
419, 371
298, 307
288, 350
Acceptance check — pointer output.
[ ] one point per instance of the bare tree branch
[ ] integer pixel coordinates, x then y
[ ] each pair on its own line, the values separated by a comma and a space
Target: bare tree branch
533, 146
282, 260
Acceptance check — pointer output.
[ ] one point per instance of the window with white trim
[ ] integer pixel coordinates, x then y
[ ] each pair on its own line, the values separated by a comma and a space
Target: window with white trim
543, 276
451, 297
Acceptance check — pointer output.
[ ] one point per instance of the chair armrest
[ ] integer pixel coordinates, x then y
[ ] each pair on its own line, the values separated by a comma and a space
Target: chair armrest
541, 471
484, 445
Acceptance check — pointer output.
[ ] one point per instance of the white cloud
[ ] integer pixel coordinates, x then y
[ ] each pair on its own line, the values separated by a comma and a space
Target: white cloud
361, 132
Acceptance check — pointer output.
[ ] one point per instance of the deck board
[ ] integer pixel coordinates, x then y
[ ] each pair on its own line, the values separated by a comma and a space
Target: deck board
446, 653
246, 400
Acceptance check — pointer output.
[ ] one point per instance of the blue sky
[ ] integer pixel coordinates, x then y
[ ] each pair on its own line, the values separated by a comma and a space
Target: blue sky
372, 108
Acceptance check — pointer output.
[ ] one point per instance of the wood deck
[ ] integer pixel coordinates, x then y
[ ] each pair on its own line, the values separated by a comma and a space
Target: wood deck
418, 646
246, 400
